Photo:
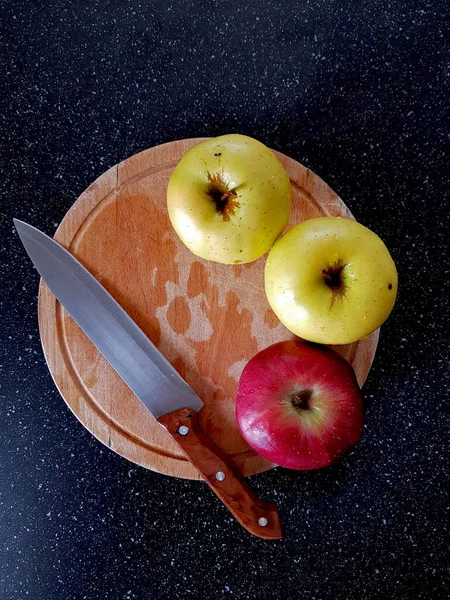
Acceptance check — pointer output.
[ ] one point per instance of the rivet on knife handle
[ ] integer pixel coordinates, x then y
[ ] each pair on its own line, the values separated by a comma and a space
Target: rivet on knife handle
221, 474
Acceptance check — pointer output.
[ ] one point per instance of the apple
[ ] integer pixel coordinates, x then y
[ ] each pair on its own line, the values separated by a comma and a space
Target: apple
299, 405
229, 199
330, 280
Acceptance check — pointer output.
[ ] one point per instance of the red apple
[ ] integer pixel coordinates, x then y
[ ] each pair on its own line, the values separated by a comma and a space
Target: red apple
299, 405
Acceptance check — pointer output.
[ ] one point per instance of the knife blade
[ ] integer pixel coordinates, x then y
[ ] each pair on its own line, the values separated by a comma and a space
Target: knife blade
149, 375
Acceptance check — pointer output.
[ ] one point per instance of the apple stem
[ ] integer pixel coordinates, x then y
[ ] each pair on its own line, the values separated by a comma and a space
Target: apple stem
226, 195
301, 399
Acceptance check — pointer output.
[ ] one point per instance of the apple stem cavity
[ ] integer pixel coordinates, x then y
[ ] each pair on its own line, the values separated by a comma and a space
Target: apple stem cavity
332, 277
301, 399
223, 197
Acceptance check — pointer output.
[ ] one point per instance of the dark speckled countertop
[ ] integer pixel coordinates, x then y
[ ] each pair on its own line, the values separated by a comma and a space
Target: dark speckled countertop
355, 93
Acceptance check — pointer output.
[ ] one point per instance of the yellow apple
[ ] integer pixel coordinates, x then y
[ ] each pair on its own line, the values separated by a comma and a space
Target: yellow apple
229, 199
331, 280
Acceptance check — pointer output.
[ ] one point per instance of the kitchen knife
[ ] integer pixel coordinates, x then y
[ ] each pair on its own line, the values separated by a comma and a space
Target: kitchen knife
148, 374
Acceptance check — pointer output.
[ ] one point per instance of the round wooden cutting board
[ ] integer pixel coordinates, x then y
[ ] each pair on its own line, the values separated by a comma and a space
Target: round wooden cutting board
207, 319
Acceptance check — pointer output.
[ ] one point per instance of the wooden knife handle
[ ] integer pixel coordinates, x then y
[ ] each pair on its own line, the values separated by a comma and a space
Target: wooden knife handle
221, 474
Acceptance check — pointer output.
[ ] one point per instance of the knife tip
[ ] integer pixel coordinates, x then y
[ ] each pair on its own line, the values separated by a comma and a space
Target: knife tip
18, 223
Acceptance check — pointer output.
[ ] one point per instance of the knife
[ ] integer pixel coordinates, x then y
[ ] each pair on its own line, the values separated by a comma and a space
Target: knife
148, 374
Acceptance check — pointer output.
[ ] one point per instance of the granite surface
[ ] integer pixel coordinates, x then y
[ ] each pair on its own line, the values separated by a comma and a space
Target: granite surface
357, 94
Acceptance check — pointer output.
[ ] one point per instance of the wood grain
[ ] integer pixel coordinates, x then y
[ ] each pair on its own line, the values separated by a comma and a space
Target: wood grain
207, 319
221, 474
